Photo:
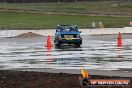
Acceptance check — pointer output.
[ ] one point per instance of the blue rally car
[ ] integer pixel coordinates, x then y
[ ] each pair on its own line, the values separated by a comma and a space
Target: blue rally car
67, 34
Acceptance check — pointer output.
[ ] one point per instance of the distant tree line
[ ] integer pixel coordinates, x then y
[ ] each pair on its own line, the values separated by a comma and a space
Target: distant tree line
48, 1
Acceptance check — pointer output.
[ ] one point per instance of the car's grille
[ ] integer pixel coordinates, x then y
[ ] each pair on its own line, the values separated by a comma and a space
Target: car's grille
69, 36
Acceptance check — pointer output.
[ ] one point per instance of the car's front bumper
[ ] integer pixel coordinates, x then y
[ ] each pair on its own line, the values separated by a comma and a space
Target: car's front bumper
71, 40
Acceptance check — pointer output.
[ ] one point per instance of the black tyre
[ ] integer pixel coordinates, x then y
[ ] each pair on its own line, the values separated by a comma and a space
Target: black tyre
57, 43
85, 82
78, 44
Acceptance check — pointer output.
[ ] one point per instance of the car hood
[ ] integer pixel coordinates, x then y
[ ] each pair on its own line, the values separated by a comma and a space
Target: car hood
71, 32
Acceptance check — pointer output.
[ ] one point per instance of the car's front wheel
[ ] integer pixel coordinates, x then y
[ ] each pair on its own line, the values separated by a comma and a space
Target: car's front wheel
57, 43
77, 45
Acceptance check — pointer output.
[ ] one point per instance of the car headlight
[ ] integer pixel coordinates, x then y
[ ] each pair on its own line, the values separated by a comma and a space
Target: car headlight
60, 37
78, 36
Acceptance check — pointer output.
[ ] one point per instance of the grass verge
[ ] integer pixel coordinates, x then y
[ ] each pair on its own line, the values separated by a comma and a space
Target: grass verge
117, 8
28, 20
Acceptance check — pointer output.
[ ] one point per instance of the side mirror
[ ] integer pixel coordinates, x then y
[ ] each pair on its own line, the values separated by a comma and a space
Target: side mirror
80, 31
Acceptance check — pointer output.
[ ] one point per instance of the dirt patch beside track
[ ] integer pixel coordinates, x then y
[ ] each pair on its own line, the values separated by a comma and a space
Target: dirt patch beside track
29, 79
29, 34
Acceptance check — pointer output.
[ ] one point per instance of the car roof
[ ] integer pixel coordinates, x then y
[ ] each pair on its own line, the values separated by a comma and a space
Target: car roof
67, 25
67, 28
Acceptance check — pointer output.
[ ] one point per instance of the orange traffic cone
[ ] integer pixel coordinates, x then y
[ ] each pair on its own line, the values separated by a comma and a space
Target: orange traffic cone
48, 42
119, 42
86, 74
49, 49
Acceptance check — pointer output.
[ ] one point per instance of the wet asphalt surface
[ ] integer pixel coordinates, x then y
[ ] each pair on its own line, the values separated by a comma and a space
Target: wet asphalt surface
96, 53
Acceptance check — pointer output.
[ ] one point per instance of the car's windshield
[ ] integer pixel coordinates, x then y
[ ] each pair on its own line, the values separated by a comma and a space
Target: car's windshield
68, 28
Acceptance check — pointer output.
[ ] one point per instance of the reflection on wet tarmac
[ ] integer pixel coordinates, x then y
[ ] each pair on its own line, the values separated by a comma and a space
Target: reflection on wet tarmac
93, 54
